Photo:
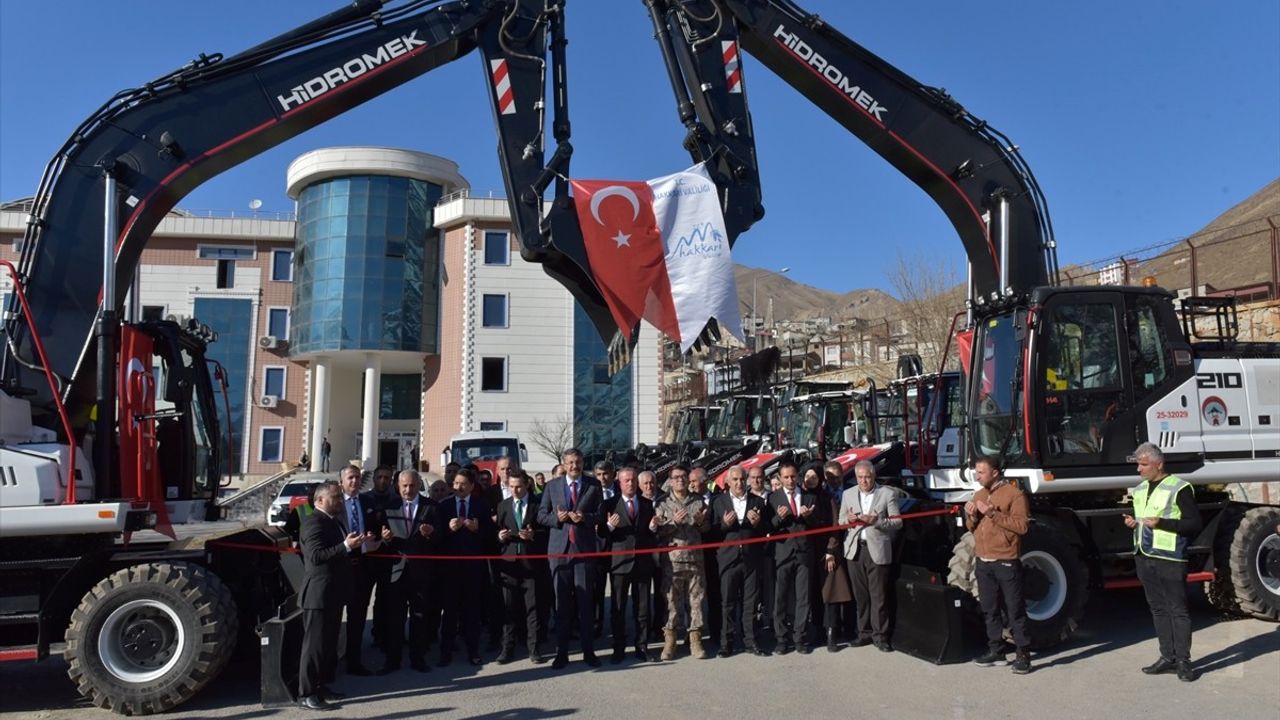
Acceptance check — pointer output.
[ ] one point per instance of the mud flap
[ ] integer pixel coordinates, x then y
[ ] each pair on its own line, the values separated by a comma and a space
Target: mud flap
281, 646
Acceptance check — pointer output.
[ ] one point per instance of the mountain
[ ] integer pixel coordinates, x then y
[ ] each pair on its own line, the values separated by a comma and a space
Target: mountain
797, 301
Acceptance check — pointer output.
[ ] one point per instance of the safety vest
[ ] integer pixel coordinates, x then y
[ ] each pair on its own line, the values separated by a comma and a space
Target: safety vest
1161, 503
304, 510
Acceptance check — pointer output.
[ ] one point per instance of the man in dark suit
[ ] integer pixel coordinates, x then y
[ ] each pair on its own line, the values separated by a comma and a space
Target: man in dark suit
570, 507
361, 516
463, 525
629, 524
604, 474
698, 485
409, 530
793, 510
738, 515
384, 497
519, 534
326, 586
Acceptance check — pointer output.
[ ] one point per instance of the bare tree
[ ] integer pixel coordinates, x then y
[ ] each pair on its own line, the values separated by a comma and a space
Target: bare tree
931, 295
552, 437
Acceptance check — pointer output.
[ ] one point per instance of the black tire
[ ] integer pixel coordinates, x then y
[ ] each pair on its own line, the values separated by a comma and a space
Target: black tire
1254, 561
149, 637
1055, 583
1220, 591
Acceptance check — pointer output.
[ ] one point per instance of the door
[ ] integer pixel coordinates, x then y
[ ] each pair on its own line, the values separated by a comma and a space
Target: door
389, 453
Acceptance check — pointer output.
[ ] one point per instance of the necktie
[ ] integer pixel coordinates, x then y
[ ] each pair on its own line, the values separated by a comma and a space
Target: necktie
355, 517
792, 497
631, 508
573, 503
408, 519
519, 524
465, 511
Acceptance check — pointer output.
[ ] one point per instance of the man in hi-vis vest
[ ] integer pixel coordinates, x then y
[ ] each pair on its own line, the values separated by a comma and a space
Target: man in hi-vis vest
1164, 520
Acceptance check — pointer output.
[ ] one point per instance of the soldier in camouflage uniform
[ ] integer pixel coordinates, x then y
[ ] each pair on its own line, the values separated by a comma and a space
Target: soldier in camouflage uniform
682, 519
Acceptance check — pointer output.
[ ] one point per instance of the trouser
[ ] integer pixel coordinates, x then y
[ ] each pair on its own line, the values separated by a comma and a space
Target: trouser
546, 597
766, 581
684, 583
463, 603
791, 600
406, 598
603, 566
739, 588
319, 649
871, 595
659, 613
622, 585
1000, 585
362, 578
495, 607
1165, 583
520, 601
381, 570
574, 578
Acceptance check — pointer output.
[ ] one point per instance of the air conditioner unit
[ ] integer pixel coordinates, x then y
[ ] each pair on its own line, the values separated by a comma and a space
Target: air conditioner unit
268, 401
268, 342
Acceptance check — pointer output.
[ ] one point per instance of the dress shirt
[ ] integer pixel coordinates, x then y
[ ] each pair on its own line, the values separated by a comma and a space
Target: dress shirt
864, 500
739, 506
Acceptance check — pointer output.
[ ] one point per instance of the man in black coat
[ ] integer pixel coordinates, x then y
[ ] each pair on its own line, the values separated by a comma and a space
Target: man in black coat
738, 515
383, 498
362, 516
463, 525
326, 587
519, 534
570, 509
409, 530
793, 509
628, 523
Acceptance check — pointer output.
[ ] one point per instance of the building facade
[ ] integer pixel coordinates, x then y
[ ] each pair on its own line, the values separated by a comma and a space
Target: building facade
389, 313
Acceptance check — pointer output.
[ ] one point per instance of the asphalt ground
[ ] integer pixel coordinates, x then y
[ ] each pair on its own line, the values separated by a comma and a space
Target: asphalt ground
1095, 675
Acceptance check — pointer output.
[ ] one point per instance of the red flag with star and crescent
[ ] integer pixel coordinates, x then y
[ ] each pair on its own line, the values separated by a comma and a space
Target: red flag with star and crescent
626, 253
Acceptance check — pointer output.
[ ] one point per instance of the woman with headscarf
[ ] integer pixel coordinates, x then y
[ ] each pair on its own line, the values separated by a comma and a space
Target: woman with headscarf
830, 586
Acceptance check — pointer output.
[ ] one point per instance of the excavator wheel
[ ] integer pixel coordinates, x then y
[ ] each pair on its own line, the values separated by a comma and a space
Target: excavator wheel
1055, 581
149, 637
1253, 561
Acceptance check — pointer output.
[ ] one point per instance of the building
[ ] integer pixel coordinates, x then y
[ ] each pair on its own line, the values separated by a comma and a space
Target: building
389, 313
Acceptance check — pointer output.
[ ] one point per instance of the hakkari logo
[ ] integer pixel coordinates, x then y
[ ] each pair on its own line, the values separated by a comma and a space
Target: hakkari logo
705, 240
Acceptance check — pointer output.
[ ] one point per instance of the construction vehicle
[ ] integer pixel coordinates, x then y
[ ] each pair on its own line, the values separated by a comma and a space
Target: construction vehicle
1061, 383
484, 449
111, 428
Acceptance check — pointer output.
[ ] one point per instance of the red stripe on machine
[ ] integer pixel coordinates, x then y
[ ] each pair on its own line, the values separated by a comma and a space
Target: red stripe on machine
502, 87
732, 67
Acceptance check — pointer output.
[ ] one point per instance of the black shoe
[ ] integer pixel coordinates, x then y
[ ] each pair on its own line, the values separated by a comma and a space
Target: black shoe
504, 657
804, 649
475, 661
861, 642
536, 657
832, 645
358, 669
755, 650
330, 695
420, 665
388, 669
725, 651
785, 649
617, 657
315, 702
561, 662
591, 660
884, 646
991, 657
1159, 667
1186, 673
1022, 663
642, 655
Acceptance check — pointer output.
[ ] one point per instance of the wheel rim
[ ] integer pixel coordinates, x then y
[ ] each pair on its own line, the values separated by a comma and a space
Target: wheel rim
140, 641
1044, 585
1268, 561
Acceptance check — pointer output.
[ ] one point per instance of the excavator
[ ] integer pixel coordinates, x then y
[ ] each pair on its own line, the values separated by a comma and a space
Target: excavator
1060, 383
98, 444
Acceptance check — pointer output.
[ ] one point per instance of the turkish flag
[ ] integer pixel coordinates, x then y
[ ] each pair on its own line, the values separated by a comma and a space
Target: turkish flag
626, 253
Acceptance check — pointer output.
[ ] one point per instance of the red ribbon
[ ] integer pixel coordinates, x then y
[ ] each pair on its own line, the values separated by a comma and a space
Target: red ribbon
953, 510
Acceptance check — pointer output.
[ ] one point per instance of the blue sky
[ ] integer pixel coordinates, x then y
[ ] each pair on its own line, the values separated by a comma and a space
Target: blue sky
1143, 120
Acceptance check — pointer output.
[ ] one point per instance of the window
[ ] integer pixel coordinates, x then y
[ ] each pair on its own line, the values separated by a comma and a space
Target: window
282, 265
497, 248
271, 448
493, 426
400, 396
1083, 390
278, 322
495, 311
224, 252
226, 274
152, 313
493, 374
1149, 357
273, 381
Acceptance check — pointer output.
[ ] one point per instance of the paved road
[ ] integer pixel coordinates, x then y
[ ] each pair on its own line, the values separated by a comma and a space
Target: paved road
1095, 676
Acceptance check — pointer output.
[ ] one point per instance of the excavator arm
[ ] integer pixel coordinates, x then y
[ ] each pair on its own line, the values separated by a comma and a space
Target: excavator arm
974, 173
159, 141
